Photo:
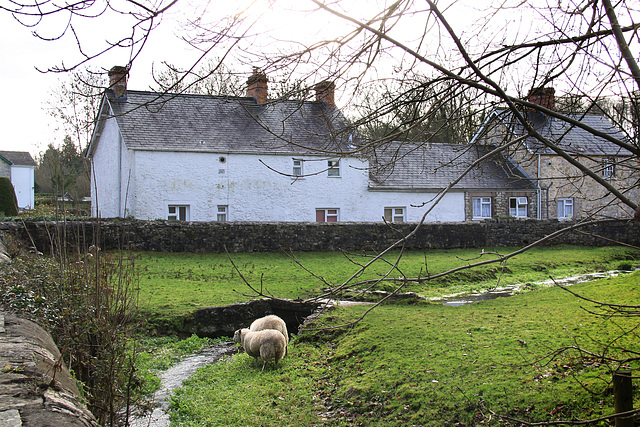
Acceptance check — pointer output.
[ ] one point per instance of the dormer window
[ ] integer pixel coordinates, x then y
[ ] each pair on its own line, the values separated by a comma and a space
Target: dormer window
333, 168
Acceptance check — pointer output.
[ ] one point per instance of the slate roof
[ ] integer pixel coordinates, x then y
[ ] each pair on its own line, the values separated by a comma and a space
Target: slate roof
18, 158
432, 166
572, 139
185, 122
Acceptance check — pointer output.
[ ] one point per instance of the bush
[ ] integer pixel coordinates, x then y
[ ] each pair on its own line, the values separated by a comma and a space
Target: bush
88, 302
8, 200
625, 266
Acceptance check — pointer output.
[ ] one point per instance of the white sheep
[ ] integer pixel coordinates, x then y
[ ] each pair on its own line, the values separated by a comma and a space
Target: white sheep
271, 322
266, 344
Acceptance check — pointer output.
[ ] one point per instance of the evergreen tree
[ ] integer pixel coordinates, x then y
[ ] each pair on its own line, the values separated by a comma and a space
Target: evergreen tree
63, 171
8, 200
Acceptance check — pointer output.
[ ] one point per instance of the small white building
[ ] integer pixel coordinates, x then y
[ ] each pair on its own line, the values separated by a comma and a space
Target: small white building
219, 158
20, 167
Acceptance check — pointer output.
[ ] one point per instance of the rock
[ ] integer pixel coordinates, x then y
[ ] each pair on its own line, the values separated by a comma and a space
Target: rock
36, 389
4, 257
10, 418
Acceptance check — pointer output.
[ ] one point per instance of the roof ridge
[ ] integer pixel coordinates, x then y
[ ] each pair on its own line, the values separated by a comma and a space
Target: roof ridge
209, 96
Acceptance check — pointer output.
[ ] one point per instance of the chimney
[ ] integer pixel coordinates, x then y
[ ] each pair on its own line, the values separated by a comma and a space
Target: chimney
257, 86
325, 92
118, 81
544, 97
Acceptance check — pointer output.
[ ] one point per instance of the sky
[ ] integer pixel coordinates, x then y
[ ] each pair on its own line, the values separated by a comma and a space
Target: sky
26, 124
25, 121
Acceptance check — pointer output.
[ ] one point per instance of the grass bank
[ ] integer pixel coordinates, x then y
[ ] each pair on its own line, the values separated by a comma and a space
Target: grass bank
174, 285
425, 364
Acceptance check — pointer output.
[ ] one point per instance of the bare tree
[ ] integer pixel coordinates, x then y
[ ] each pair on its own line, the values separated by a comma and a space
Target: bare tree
75, 103
500, 58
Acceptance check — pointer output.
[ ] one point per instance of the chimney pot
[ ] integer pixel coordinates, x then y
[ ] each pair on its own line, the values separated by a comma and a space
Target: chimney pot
325, 92
544, 97
118, 80
258, 86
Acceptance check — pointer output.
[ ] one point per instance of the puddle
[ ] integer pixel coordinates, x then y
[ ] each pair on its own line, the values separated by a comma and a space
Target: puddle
507, 291
173, 378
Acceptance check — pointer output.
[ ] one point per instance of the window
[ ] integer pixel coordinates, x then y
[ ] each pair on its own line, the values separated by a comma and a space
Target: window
222, 213
297, 167
565, 208
327, 215
482, 207
518, 207
608, 168
333, 168
178, 212
394, 214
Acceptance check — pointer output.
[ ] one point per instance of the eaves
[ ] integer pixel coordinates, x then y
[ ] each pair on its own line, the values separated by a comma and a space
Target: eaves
227, 151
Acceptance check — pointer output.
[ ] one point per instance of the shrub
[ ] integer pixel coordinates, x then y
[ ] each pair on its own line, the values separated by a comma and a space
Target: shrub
625, 266
88, 302
8, 200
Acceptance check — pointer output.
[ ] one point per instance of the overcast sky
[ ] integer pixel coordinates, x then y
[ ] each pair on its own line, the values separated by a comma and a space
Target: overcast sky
27, 126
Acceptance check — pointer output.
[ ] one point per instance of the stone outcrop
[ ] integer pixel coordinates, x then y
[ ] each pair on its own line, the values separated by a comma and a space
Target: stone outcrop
36, 389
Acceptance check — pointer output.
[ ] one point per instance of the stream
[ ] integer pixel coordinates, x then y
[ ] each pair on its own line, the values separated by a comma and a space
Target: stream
173, 378
507, 291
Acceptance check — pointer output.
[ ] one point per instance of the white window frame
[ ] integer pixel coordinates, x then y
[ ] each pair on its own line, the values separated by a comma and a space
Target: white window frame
178, 212
521, 209
328, 214
333, 168
395, 214
608, 168
563, 205
297, 170
482, 203
222, 214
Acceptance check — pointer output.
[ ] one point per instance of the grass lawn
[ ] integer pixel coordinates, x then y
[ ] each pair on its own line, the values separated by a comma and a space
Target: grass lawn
431, 365
420, 364
173, 285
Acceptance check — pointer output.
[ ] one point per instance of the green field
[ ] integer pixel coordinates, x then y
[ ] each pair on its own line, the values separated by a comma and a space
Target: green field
176, 284
418, 364
431, 365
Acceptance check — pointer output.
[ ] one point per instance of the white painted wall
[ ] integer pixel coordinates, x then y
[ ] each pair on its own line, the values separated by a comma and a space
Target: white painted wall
106, 180
22, 178
255, 187
450, 208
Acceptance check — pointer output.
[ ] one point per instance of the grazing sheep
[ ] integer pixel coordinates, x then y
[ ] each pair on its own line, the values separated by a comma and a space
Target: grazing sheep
266, 344
271, 322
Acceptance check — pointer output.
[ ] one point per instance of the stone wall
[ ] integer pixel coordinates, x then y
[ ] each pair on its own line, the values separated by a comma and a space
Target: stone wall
222, 321
175, 236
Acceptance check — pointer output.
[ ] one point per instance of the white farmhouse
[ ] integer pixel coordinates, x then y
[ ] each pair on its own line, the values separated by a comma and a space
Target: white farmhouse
220, 158
20, 167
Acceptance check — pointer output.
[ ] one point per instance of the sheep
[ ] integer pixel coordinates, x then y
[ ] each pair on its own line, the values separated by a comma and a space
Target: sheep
271, 322
266, 344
